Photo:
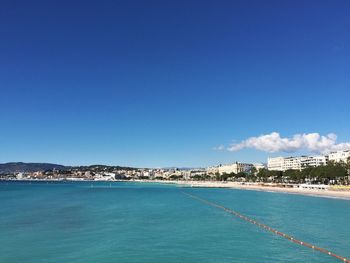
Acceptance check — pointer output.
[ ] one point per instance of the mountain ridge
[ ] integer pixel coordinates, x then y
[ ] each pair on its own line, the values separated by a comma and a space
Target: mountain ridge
22, 167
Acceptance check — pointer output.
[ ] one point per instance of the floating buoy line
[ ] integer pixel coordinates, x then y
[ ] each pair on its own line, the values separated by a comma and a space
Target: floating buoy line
268, 228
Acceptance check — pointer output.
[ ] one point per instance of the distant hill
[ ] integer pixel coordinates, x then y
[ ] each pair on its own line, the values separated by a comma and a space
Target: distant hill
20, 167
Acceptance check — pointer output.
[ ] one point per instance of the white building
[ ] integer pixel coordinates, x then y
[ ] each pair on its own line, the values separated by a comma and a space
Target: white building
275, 164
339, 156
19, 176
212, 169
295, 163
104, 177
235, 168
314, 161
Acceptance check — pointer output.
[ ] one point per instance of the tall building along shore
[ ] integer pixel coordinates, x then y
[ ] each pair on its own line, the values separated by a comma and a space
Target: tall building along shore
299, 175
105, 173
301, 162
315, 171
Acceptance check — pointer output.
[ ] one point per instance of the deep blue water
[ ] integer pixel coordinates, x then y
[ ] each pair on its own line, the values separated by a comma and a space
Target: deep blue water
135, 222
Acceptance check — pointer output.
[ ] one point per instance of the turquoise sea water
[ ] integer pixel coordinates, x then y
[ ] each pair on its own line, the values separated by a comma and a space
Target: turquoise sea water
145, 222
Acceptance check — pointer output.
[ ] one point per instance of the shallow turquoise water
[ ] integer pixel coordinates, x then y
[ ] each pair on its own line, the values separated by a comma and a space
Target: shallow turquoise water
134, 222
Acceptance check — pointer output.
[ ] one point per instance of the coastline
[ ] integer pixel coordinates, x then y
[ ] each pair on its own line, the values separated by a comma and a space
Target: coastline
275, 188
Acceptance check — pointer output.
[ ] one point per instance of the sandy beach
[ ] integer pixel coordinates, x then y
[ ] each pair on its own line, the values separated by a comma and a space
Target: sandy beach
330, 192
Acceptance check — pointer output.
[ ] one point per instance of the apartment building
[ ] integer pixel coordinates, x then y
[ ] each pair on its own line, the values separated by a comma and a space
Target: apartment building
314, 161
235, 168
295, 163
230, 168
339, 156
275, 164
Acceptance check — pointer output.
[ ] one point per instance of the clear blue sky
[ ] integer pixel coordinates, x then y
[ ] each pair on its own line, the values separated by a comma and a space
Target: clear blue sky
160, 83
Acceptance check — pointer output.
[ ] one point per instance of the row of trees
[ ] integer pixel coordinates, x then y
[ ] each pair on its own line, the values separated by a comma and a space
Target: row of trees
332, 173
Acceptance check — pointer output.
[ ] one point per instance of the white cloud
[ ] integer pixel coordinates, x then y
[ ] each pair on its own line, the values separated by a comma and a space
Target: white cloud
273, 142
